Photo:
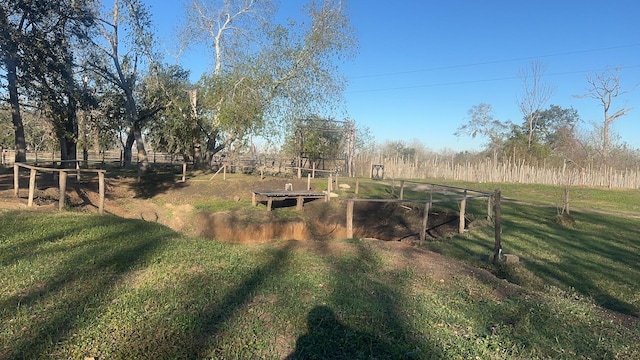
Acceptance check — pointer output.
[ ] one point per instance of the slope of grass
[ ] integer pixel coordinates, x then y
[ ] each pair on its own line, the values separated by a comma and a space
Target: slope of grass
595, 255
75, 285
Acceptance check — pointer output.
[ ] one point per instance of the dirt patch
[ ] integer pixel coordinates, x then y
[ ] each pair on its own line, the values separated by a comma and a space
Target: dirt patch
161, 198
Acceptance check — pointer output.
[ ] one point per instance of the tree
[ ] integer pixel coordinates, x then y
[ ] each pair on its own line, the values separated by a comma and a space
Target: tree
482, 123
36, 38
14, 22
175, 127
118, 62
536, 94
605, 87
264, 71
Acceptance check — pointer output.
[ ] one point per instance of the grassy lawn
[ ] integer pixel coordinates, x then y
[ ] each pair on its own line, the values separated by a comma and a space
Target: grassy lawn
75, 285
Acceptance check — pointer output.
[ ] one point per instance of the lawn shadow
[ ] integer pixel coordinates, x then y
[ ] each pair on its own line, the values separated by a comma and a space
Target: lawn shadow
369, 302
209, 313
75, 291
328, 338
155, 182
595, 257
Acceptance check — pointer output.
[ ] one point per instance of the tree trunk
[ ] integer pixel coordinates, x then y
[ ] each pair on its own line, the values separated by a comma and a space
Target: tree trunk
12, 85
128, 146
143, 161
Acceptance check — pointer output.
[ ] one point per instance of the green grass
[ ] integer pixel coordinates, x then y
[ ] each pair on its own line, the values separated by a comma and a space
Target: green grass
75, 285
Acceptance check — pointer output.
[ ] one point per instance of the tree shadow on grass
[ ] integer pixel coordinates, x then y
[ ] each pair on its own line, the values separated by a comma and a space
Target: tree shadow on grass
368, 304
76, 289
157, 181
596, 257
205, 315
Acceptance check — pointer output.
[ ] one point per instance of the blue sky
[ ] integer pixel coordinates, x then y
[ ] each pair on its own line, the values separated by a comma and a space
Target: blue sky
421, 65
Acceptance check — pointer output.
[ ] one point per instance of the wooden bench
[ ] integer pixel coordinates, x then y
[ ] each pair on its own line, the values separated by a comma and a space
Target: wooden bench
281, 195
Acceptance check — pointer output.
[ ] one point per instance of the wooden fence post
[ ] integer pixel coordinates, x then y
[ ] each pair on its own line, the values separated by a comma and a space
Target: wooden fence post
357, 186
497, 249
308, 182
184, 171
489, 208
425, 221
101, 192
32, 186
401, 190
63, 189
350, 219
16, 179
463, 209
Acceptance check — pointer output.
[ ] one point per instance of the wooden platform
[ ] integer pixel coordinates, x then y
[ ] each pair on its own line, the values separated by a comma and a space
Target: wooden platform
281, 195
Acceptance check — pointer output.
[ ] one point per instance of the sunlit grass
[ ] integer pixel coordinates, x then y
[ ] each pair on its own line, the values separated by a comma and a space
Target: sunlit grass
75, 285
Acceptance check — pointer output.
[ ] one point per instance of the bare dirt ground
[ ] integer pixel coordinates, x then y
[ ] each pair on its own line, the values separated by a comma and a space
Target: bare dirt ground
183, 206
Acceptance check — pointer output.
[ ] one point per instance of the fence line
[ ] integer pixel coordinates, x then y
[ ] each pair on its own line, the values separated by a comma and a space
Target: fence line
435, 168
62, 179
509, 172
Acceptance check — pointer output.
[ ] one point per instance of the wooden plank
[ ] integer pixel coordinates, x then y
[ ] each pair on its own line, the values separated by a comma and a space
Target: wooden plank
497, 249
299, 203
425, 221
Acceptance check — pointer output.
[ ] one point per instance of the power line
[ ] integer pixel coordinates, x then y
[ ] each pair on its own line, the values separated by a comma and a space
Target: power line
477, 81
494, 62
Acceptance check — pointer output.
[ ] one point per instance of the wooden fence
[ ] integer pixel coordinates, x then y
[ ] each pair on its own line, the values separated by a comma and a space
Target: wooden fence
448, 194
62, 182
507, 172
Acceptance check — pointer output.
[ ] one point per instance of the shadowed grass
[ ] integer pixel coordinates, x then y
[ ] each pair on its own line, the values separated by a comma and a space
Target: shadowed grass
596, 256
75, 285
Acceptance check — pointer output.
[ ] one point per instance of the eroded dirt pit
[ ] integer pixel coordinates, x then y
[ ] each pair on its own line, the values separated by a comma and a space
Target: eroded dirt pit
187, 208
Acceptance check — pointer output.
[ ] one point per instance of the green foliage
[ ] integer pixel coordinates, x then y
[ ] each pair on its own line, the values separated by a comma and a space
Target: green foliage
6, 128
482, 123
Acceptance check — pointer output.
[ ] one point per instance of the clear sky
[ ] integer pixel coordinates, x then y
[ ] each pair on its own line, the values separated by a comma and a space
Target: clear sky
422, 64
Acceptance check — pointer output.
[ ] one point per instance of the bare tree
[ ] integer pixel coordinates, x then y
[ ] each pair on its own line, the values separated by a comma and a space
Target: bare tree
536, 95
605, 87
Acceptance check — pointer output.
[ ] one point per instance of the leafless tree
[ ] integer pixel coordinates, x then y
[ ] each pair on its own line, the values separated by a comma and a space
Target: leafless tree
536, 95
605, 87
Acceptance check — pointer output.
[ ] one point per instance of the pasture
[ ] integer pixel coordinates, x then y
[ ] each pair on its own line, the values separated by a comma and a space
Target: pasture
75, 284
